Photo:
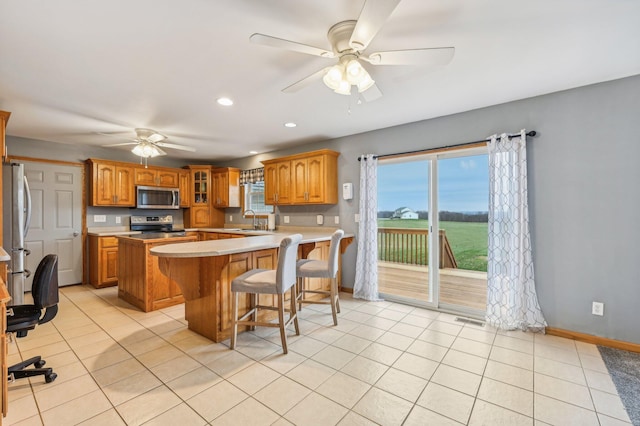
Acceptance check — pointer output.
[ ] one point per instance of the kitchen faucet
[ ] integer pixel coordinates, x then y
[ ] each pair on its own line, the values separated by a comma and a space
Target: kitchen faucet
254, 217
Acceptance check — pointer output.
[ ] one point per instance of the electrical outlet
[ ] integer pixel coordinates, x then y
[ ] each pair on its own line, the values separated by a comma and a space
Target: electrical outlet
336, 220
285, 219
99, 218
597, 308
118, 220
319, 219
230, 218
357, 218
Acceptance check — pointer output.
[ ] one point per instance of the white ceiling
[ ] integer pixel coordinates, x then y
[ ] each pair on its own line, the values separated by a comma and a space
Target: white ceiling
70, 70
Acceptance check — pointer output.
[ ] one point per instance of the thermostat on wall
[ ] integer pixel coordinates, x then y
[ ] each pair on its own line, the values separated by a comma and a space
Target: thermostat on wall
347, 191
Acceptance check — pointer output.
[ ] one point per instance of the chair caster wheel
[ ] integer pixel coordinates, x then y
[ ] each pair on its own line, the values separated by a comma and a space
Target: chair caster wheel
50, 377
40, 363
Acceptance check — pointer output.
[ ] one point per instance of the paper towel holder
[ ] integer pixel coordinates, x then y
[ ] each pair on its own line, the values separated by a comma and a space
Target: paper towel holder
271, 222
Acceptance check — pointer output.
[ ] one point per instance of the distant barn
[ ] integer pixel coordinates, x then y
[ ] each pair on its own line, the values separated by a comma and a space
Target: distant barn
404, 213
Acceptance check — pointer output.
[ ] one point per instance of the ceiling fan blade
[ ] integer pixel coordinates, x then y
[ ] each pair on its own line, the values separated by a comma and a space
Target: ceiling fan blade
149, 135
373, 16
161, 151
289, 45
305, 82
121, 144
371, 94
174, 146
429, 57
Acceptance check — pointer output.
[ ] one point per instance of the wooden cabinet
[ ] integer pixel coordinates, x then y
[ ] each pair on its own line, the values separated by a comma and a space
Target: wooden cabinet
103, 261
308, 178
238, 264
199, 214
207, 236
4, 118
184, 184
277, 182
156, 177
140, 281
309, 181
114, 183
226, 187
111, 184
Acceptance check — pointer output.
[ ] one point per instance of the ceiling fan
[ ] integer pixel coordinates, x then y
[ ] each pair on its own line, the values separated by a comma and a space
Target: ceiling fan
149, 143
349, 40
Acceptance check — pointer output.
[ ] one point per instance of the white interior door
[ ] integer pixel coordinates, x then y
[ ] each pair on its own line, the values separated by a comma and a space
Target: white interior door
56, 219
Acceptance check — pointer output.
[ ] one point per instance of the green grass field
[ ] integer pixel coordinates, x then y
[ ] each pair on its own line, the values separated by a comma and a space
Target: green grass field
468, 239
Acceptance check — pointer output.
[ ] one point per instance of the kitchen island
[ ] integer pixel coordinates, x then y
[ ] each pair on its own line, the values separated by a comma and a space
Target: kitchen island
204, 271
139, 279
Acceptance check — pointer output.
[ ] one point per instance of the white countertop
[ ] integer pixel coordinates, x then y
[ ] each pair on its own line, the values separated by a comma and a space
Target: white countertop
235, 245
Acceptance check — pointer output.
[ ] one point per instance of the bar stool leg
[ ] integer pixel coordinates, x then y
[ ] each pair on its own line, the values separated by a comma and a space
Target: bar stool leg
333, 301
283, 333
292, 312
234, 310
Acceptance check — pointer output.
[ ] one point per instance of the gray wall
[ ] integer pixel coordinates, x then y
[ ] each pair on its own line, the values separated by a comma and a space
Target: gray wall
583, 194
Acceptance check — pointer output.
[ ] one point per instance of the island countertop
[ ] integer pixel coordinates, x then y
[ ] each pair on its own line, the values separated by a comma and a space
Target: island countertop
235, 245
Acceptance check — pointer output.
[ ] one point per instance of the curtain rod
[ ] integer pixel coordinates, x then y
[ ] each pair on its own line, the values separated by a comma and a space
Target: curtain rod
531, 133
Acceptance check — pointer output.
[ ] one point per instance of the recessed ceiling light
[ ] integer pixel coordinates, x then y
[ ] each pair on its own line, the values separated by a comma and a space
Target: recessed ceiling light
253, 152
290, 124
225, 101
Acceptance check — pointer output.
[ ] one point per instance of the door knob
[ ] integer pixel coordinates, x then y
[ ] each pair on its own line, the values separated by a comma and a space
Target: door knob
76, 233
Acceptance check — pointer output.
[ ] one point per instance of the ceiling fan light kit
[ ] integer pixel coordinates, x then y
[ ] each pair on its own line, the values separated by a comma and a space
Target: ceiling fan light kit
147, 150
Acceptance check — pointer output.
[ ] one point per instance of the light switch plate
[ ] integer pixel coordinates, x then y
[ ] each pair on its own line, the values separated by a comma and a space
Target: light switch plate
97, 218
357, 217
285, 219
118, 220
319, 219
336, 220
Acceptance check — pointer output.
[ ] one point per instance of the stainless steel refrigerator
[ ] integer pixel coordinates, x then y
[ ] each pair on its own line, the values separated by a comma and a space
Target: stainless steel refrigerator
16, 227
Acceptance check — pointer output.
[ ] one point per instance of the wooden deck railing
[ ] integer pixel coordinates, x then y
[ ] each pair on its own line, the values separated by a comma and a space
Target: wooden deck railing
410, 246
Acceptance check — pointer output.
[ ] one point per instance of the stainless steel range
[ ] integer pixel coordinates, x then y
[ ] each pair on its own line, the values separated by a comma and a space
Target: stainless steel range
155, 227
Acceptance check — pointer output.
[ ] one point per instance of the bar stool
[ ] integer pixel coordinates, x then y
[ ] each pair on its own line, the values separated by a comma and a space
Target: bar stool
269, 281
308, 268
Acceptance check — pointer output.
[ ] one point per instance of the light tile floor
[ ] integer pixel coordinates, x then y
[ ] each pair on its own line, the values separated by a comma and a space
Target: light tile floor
385, 363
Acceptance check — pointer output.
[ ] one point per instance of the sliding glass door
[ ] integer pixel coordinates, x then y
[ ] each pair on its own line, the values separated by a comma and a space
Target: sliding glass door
403, 230
463, 204
432, 230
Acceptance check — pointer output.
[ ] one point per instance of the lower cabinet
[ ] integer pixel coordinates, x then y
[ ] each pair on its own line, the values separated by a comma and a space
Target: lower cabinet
140, 281
238, 264
318, 251
103, 261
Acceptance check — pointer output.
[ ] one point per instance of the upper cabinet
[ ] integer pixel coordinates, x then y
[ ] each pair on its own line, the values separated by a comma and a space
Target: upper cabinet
277, 182
184, 183
308, 178
199, 214
156, 177
111, 184
226, 187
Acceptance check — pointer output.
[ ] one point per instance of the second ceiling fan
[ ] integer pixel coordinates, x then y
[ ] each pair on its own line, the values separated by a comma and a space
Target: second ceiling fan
349, 40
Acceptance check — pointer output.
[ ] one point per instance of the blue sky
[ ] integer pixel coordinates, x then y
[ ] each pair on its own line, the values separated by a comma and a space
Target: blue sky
463, 184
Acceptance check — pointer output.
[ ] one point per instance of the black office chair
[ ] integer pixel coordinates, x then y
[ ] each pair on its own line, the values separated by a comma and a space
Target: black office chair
22, 318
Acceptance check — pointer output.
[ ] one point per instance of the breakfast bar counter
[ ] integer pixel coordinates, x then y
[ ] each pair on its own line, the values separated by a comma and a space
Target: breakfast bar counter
204, 271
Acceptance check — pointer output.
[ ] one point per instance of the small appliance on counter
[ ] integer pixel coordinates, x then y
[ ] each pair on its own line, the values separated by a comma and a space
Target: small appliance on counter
155, 227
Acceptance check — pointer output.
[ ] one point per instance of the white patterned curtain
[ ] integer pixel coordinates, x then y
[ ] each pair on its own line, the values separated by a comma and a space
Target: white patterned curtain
512, 302
366, 281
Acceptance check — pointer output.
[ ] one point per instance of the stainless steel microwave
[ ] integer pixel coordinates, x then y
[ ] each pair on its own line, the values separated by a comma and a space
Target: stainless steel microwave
154, 197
